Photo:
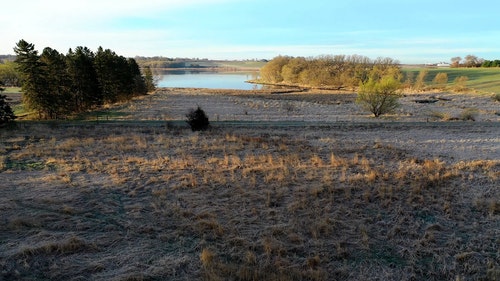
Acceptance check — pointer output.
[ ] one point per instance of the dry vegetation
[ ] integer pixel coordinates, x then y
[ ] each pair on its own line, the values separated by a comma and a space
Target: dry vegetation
308, 105
112, 202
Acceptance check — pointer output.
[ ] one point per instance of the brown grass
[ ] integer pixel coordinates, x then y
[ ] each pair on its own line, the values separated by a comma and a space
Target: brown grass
137, 203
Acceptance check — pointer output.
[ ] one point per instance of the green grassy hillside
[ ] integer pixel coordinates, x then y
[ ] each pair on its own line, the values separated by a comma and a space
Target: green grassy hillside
241, 64
484, 80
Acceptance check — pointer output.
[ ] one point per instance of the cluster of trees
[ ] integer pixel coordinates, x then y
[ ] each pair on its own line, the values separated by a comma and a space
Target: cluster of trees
468, 61
56, 85
164, 62
491, 63
337, 71
7, 58
159, 62
473, 61
378, 81
8, 74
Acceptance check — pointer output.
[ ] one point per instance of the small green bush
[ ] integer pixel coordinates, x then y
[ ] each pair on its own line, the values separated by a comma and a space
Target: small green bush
379, 97
197, 119
496, 97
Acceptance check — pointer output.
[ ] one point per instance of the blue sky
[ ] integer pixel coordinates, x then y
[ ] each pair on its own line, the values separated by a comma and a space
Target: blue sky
410, 31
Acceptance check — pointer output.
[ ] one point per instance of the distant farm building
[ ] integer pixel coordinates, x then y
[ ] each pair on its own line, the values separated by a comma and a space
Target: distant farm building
443, 64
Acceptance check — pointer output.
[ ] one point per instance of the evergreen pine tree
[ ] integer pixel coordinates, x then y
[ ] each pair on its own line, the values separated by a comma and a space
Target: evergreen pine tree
138, 82
85, 89
33, 83
113, 75
55, 84
197, 119
57, 95
6, 114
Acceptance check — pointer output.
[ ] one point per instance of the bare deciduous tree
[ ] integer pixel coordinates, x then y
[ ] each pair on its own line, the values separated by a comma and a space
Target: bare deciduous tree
455, 61
471, 61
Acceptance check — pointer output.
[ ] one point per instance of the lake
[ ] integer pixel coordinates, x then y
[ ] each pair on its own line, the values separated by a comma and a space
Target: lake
207, 79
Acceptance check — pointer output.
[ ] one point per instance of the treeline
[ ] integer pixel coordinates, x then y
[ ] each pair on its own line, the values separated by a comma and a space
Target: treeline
159, 62
56, 85
337, 71
164, 62
473, 61
6, 58
491, 63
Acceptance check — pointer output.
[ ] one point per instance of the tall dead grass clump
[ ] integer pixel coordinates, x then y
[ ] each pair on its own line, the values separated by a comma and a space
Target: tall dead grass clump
72, 245
316, 161
3, 164
371, 176
207, 257
336, 161
442, 116
187, 180
355, 159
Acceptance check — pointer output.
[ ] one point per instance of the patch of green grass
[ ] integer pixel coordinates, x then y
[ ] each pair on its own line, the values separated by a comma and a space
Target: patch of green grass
12, 90
101, 115
29, 165
14, 97
484, 80
19, 110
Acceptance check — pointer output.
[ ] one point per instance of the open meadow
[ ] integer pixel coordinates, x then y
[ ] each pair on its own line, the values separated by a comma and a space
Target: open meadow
301, 186
483, 80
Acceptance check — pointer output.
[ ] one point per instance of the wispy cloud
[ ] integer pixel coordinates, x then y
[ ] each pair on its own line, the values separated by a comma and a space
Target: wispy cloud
253, 28
53, 18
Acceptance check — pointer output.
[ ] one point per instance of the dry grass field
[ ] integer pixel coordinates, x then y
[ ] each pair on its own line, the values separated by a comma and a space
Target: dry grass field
311, 106
147, 200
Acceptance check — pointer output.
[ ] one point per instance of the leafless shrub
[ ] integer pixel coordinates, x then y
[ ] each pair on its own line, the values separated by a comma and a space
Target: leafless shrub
469, 114
496, 97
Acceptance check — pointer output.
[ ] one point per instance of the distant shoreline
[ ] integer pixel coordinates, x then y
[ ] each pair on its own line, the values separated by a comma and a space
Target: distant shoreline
209, 69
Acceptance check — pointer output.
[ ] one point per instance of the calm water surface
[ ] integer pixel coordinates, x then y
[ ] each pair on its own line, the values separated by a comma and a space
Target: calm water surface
211, 80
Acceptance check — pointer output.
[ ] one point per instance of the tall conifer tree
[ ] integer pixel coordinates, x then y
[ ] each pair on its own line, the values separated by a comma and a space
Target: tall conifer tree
57, 94
32, 75
85, 88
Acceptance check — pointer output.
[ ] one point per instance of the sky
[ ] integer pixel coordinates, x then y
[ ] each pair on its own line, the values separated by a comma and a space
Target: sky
423, 31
